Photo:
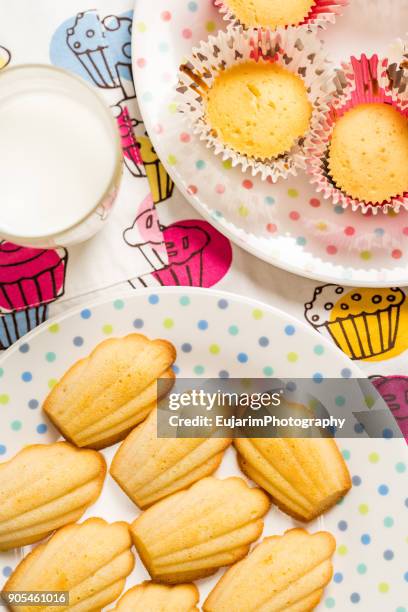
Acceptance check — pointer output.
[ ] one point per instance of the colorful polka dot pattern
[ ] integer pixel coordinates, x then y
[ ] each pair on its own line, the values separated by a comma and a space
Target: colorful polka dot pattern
221, 336
286, 223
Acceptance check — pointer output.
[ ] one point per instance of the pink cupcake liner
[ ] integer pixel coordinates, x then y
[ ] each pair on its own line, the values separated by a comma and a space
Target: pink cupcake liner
322, 13
362, 81
296, 49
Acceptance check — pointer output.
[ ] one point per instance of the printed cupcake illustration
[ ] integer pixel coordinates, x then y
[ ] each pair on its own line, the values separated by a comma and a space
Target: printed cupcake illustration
4, 57
394, 390
130, 147
87, 40
364, 323
198, 255
185, 243
146, 235
29, 280
161, 184
102, 48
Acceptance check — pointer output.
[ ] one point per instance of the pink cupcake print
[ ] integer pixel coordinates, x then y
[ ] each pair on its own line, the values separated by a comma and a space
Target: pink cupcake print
394, 390
146, 235
198, 255
130, 147
29, 280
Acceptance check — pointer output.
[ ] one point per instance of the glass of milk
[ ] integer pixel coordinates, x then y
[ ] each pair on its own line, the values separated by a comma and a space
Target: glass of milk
60, 157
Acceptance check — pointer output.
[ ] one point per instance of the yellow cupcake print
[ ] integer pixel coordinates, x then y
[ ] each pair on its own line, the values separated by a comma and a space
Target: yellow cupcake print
161, 184
4, 57
366, 324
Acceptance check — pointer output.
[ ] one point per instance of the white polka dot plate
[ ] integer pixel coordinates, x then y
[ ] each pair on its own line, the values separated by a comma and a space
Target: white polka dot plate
219, 334
286, 224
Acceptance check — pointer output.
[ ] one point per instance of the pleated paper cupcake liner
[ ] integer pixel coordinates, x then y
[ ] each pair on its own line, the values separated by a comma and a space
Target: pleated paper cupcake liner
295, 49
362, 81
322, 13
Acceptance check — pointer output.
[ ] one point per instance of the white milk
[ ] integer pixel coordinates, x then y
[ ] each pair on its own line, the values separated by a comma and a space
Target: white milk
58, 151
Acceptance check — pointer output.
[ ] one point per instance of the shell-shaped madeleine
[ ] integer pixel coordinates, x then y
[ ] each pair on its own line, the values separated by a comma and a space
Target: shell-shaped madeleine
192, 533
44, 487
152, 597
305, 477
101, 398
91, 561
148, 468
283, 573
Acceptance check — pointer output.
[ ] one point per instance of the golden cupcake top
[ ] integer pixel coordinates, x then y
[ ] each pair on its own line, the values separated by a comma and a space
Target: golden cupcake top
259, 109
368, 154
270, 13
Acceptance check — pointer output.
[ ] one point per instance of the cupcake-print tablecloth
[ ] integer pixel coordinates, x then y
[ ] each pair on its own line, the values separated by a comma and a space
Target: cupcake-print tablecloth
94, 44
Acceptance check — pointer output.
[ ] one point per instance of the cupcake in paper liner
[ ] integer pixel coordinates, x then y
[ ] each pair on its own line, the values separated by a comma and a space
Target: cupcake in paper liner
29, 280
363, 323
161, 184
280, 13
359, 147
251, 96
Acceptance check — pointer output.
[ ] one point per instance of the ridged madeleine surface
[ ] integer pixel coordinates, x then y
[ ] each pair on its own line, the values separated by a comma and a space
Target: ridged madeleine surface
282, 574
90, 560
152, 597
101, 398
148, 468
45, 487
305, 477
192, 533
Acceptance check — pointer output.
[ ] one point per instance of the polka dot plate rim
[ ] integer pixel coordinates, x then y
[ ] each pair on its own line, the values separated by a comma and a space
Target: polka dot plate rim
286, 224
216, 334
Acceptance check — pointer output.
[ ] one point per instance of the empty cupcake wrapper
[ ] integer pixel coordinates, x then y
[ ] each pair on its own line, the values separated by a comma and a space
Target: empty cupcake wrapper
296, 49
322, 13
364, 80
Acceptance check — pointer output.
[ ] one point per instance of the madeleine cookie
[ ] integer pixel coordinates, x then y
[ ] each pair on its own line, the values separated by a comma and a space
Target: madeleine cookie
282, 574
305, 477
101, 398
148, 468
91, 561
45, 487
152, 597
190, 534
